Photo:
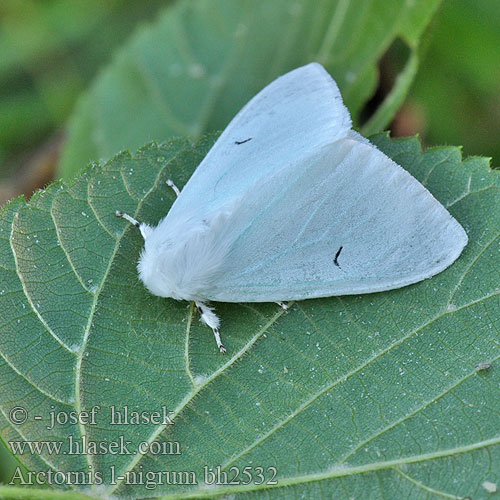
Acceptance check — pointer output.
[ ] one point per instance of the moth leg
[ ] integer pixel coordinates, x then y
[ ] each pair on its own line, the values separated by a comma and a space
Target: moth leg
283, 305
136, 223
144, 228
212, 320
171, 184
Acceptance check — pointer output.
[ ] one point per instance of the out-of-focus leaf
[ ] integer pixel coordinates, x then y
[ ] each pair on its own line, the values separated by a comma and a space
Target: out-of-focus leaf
456, 95
49, 50
192, 70
8, 464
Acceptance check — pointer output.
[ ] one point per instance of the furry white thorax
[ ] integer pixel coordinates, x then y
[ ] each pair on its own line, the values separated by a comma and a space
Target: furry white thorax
182, 257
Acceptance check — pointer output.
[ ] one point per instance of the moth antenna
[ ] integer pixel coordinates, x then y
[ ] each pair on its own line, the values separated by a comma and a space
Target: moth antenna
171, 184
212, 320
335, 260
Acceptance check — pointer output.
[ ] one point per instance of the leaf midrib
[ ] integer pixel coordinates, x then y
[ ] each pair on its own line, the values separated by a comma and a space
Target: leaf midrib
78, 368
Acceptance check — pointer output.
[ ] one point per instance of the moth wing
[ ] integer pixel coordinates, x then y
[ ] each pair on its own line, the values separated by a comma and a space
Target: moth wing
344, 219
294, 115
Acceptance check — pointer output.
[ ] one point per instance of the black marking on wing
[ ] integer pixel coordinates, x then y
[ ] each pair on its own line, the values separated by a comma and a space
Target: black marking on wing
243, 142
335, 260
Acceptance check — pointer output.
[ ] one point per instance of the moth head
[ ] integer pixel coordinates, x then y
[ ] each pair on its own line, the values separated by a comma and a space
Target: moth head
161, 265
151, 266
146, 230
151, 262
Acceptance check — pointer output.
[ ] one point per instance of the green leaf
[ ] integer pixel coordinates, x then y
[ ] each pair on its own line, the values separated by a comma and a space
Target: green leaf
203, 60
371, 396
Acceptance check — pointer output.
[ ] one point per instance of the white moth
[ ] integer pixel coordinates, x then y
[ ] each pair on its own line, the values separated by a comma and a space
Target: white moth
291, 203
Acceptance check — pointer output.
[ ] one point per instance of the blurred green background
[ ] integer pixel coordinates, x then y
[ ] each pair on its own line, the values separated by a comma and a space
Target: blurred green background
455, 98
51, 50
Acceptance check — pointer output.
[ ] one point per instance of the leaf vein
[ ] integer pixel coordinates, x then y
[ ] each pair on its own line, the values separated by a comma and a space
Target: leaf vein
27, 295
